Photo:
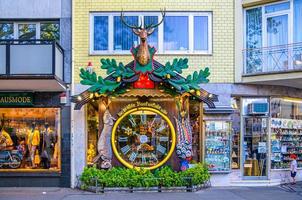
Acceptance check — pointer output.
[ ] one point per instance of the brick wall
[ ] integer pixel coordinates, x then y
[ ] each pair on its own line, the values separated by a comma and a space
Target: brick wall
221, 62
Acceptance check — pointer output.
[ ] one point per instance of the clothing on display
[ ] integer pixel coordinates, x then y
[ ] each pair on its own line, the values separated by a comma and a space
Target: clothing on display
36, 139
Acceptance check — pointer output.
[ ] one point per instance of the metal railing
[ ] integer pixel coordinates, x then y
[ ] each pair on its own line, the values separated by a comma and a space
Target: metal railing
31, 58
274, 59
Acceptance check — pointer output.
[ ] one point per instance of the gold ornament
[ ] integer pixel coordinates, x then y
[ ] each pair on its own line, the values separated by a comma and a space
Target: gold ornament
128, 131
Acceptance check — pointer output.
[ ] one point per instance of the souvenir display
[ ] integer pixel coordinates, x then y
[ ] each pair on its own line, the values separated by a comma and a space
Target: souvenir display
217, 146
195, 120
29, 138
286, 139
235, 139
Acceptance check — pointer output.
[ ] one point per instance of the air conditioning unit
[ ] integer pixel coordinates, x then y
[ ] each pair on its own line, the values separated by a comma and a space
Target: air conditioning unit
258, 108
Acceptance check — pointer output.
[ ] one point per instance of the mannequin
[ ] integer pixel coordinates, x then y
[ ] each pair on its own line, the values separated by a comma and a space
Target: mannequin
49, 140
33, 141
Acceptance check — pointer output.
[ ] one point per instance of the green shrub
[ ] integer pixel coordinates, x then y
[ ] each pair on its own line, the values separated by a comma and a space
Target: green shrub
124, 177
198, 174
168, 177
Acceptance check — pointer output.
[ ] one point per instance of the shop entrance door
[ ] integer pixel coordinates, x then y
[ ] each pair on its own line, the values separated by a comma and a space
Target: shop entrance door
255, 147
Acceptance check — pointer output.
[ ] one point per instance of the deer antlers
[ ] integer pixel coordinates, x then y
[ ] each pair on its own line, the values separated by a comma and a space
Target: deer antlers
146, 27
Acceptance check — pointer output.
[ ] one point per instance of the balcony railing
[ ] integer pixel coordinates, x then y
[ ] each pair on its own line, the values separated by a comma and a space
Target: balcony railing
31, 58
275, 59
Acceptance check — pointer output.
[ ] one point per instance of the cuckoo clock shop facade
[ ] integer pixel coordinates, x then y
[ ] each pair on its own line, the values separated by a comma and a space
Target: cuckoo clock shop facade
144, 114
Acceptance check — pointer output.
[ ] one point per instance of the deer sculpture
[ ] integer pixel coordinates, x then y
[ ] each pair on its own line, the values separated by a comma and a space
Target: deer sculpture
143, 54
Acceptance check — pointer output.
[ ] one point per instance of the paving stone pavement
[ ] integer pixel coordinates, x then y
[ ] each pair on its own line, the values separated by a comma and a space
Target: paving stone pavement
286, 192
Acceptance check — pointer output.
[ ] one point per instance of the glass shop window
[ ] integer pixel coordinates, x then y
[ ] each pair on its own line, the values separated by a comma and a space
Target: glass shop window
195, 120
236, 122
30, 139
92, 132
254, 138
217, 145
286, 132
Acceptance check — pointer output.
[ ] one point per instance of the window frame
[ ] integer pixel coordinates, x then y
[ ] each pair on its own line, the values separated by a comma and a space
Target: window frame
36, 23
160, 39
289, 12
59, 141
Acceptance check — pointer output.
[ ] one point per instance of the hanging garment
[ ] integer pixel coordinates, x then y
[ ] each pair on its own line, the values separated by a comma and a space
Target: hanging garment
33, 137
49, 141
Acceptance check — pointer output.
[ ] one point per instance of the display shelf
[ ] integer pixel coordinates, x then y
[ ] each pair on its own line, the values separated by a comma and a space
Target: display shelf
217, 146
286, 139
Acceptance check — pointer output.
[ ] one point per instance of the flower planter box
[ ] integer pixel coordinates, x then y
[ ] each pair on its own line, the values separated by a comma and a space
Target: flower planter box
146, 189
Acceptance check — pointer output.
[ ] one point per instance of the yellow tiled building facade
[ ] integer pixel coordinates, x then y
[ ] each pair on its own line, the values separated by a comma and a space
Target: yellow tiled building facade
220, 61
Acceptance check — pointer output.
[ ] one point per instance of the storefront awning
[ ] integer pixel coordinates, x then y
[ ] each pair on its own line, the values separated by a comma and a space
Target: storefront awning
32, 83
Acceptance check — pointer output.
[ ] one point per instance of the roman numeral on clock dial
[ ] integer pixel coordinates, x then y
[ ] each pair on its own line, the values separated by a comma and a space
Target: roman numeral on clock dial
161, 149
122, 139
125, 149
133, 156
163, 139
132, 121
144, 119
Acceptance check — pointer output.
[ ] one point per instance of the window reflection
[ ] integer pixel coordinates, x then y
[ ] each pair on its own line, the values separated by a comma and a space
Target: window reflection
153, 38
100, 33
50, 31
176, 38
124, 39
27, 31
6, 31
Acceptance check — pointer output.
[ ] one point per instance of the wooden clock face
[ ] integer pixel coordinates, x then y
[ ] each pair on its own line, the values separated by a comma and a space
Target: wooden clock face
143, 137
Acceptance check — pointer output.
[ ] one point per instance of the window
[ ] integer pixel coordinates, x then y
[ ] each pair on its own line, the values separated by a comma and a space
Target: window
30, 30
50, 31
286, 132
277, 27
30, 139
109, 35
124, 39
27, 31
101, 33
270, 25
176, 38
6, 31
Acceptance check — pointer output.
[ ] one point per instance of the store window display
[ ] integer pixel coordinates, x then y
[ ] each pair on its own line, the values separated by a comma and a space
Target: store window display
286, 132
217, 145
30, 139
235, 139
92, 132
195, 112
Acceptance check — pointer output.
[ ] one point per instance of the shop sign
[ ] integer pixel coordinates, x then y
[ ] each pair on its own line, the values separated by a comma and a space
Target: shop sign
16, 99
142, 104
